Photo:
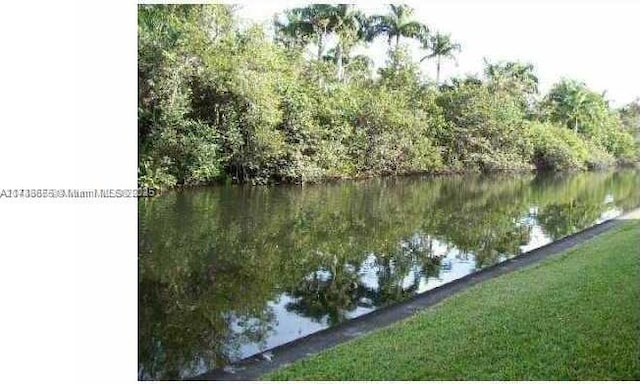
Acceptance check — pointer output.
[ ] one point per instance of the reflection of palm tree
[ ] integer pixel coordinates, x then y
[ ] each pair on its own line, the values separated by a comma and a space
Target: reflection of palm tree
185, 318
330, 293
335, 290
415, 258
430, 264
495, 246
489, 233
562, 219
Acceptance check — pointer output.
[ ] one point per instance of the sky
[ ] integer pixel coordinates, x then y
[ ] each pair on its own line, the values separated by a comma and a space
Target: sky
592, 41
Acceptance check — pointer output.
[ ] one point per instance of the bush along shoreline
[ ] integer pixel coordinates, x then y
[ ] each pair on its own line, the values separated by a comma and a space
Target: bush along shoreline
220, 101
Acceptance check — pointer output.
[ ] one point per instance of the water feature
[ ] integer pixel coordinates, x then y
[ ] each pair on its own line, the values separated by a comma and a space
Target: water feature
229, 271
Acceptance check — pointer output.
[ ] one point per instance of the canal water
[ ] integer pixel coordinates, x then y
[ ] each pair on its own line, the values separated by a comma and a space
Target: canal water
226, 272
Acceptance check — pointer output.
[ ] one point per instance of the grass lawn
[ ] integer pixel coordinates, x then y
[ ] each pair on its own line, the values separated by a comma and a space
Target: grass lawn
574, 316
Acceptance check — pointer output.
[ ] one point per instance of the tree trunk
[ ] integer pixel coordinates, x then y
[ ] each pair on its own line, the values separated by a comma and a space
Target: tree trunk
438, 72
320, 46
396, 63
339, 54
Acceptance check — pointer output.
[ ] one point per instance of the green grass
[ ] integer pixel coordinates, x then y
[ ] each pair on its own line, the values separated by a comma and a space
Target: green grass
575, 316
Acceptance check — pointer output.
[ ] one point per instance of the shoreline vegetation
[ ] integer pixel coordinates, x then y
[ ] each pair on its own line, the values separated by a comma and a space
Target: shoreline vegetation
571, 317
291, 102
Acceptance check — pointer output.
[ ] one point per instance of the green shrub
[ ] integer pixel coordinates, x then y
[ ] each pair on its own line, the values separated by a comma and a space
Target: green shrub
598, 158
557, 148
485, 128
155, 174
219, 100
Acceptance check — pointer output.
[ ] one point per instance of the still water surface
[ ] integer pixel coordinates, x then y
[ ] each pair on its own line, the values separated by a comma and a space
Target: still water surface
226, 272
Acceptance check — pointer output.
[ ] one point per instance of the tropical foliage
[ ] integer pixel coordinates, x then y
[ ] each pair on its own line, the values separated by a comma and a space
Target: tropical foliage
220, 101
398, 23
440, 46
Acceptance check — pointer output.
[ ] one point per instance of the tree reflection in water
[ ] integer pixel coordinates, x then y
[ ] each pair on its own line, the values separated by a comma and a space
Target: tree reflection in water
213, 263
337, 288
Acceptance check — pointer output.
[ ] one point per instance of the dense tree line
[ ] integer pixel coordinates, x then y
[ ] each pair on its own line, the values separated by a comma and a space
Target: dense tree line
218, 102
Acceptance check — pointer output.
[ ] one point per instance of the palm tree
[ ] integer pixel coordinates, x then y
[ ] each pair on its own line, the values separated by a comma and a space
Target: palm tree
318, 21
573, 104
441, 47
398, 23
308, 22
578, 102
350, 25
294, 32
361, 60
357, 65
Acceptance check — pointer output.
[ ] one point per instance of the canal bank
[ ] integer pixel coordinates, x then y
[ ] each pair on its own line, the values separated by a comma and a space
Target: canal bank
259, 365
